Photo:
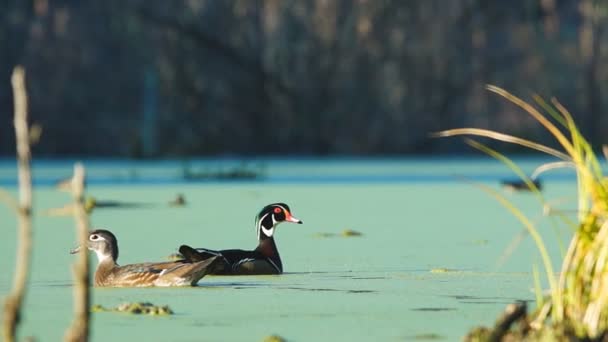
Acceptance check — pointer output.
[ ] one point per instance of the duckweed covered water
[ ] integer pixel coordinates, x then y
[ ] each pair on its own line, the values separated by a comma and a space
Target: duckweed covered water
418, 271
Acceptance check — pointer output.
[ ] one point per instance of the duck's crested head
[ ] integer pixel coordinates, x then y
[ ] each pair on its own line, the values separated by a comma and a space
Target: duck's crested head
103, 243
270, 216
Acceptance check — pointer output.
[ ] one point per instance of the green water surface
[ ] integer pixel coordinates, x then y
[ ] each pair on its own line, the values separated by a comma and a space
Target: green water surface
428, 265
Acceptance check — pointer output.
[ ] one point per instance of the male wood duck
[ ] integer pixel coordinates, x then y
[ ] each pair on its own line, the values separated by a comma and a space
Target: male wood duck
264, 259
109, 273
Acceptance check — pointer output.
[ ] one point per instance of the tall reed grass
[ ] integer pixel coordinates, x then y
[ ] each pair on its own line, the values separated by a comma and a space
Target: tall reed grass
578, 300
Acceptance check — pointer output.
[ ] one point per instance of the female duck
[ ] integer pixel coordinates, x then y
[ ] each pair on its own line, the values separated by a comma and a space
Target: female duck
109, 273
264, 259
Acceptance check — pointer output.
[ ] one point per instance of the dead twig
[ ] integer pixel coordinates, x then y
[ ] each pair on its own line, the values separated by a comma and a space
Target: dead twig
14, 301
79, 331
512, 314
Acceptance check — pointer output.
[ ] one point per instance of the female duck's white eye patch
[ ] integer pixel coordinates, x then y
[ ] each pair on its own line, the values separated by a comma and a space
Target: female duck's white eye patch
93, 237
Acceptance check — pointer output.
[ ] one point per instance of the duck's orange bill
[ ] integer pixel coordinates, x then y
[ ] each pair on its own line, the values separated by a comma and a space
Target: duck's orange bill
290, 218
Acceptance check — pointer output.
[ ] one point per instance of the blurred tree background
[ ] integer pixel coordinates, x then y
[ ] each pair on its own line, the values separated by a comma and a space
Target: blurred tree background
140, 78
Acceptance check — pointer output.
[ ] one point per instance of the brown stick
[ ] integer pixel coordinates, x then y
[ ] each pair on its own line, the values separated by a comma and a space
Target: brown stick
12, 305
79, 331
512, 313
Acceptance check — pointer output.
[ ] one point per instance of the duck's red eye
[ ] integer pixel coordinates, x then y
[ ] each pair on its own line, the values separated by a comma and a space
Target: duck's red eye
277, 210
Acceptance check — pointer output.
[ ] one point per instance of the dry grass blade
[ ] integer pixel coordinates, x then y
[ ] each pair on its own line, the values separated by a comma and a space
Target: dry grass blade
13, 303
589, 178
510, 164
566, 114
593, 263
538, 290
540, 245
579, 297
561, 138
552, 166
584, 150
502, 137
511, 247
518, 171
554, 114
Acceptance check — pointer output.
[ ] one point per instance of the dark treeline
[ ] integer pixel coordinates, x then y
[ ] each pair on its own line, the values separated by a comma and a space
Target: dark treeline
139, 78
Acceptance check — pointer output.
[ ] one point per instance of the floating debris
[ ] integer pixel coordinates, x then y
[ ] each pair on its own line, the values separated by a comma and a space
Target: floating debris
98, 308
344, 233
427, 337
68, 209
91, 203
324, 235
137, 308
433, 309
274, 338
179, 201
239, 172
520, 185
443, 270
350, 233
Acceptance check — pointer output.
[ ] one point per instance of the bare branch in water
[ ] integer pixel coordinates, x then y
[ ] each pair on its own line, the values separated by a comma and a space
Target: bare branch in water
13, 303
79, 331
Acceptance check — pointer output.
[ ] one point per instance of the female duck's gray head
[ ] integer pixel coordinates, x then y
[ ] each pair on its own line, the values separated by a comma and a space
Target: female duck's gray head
270, 216
103, 243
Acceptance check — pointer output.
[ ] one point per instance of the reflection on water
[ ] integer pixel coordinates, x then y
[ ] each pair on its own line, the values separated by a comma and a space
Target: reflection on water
379, 286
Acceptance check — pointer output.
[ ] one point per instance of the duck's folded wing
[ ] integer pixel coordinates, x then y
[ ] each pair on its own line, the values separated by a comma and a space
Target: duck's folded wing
140, 274
198, 254
165, 273
229, 260
236, 256
187, 273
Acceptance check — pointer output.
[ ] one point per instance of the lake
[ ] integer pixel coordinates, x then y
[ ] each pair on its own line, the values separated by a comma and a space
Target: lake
430, 264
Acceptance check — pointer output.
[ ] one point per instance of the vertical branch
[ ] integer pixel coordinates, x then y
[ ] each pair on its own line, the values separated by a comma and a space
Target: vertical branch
12, 306
79, 331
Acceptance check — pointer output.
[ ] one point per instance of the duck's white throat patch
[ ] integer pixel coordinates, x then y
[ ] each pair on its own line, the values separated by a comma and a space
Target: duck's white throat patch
266, 231
101, 257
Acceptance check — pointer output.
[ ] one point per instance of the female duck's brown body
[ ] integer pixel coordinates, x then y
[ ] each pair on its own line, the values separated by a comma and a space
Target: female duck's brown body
264, 259
151, 274
109, 273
